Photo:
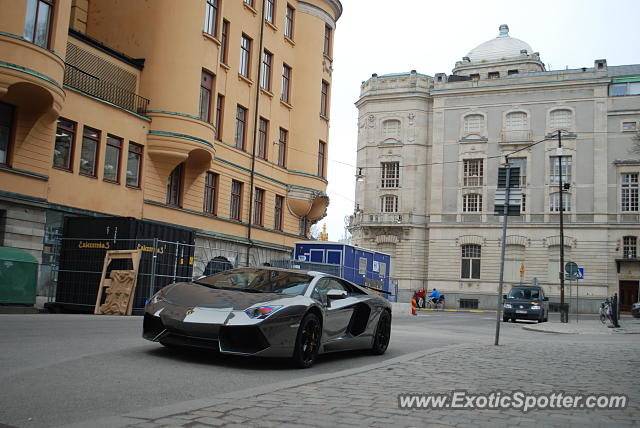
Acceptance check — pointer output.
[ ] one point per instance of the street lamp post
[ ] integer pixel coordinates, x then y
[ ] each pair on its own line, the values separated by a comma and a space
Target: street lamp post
563, 318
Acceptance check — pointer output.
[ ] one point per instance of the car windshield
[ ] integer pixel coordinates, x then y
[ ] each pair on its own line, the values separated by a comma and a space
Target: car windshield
524, 294
259, 281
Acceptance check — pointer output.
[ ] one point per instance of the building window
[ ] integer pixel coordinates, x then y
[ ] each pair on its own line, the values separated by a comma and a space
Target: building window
288, 22
622, 89
560, 119
63, 150
249, 2
286, 83
554, 175
112, 159
517, 121
629, 247
389, 204
493, 75
282, 148
554, 202
629, 192
174, 186
629, 126
520, 163
134, 165
224, 48
327, 40
241, 127
206, 88
322, 153
270, 7
470, 261
512, 72
211, 17
258, 207
472, 203
390, 174
513, 261
210, 193
267, 60
473, 172
473, 126
37, 25
6, 127
245, 56
89, 152
474, 76
324, 100
236, 200
391, 129
219, 116
263, 136
278, 212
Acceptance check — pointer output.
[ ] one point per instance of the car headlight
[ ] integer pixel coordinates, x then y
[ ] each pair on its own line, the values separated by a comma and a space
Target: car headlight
261, 312
535, 307
508, 306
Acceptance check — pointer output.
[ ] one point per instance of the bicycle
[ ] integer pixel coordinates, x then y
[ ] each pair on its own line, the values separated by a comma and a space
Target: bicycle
605, 311
431, 303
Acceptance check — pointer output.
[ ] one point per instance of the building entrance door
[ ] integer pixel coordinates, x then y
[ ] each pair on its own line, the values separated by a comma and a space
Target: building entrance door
628, 294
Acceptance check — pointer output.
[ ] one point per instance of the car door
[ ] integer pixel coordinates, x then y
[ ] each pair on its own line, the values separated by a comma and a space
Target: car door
337, 312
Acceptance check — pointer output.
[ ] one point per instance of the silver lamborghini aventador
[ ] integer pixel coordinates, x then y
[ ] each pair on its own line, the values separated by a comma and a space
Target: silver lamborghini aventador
269, 312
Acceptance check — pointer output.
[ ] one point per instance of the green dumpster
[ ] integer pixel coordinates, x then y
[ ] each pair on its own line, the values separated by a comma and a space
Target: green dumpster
18, 276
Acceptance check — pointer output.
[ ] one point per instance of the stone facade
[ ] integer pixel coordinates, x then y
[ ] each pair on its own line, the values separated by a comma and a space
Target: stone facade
454, 132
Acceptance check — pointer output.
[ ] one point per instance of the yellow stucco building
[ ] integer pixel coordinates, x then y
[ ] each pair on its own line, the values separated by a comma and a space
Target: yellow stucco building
206, 114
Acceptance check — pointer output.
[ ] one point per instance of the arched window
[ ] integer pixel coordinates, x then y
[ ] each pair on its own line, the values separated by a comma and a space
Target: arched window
553, 269
389, 204
517, 121
470, 267
561, 119
174, 186
473, 126
472, 203
391, 129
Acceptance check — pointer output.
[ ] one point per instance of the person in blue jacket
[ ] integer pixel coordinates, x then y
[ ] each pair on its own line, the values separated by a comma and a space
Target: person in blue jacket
435, 295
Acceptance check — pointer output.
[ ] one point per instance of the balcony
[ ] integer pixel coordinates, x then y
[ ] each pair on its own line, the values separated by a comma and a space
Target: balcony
382, 219
92, 85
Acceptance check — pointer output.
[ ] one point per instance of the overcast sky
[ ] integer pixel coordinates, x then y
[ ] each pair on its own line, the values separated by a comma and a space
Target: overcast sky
429, 36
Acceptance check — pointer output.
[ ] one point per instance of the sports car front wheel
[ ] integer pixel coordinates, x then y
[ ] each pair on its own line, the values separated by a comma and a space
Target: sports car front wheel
383, 334
307, 342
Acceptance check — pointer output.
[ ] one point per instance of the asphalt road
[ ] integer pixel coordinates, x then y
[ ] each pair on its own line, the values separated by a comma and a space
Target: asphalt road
59, 369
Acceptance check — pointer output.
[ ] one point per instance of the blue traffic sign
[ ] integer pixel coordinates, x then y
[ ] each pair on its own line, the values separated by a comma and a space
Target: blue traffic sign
580, 273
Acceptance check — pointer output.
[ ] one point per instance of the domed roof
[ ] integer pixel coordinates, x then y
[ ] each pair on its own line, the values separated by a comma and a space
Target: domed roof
503, 46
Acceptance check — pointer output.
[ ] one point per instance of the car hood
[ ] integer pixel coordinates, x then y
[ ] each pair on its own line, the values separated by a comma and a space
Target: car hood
189, 294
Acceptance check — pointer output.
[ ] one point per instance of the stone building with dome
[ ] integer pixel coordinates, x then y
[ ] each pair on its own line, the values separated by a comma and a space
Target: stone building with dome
428, 153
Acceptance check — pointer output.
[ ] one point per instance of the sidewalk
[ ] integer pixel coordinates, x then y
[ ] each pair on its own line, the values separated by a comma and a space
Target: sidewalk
628, 325
368, 396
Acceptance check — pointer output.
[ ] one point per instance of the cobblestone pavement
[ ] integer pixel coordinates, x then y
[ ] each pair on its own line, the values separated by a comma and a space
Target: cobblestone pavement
628, 325
369, 397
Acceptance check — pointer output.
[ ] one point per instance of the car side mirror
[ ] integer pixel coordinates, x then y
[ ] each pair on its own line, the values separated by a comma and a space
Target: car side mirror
504, 297
336, 294
546, 299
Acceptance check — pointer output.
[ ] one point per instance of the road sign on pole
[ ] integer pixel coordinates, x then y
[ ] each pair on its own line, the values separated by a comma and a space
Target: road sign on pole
580, 274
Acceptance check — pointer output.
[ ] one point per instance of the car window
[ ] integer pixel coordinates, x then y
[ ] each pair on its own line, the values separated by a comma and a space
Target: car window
323, 286
524, 293
259, 280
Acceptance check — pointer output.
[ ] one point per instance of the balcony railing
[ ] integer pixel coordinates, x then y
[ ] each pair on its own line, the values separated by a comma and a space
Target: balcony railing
382, 219
92, 85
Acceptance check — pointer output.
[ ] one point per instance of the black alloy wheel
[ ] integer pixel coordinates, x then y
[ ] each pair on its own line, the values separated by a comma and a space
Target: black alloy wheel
307, 342
383, 334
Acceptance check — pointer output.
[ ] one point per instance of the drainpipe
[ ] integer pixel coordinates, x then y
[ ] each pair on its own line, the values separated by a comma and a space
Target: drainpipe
255, 135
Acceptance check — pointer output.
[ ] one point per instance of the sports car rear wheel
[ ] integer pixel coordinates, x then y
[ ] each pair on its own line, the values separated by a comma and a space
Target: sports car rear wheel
307, 342
383, 334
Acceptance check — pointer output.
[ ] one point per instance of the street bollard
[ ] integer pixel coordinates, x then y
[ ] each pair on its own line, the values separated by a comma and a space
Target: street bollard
413, 306
614, 311
564, 312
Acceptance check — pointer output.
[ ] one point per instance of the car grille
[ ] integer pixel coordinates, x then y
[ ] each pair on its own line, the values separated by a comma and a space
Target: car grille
242, 339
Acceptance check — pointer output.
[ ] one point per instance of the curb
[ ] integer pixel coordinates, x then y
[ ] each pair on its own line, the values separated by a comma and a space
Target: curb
140, 416
473, 311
